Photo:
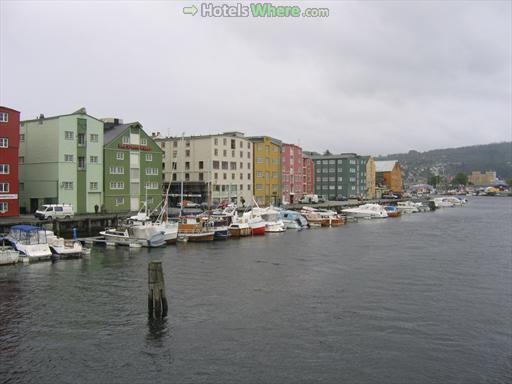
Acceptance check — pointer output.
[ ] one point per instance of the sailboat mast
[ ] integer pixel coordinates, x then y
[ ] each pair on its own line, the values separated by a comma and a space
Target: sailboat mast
182, 171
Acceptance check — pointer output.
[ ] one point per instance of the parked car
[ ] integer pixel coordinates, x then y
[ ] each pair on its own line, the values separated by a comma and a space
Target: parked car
309, 199
321, 199
55, 211
341, 198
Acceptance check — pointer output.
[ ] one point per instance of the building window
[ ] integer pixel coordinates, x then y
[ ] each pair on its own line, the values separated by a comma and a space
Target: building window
248, 187
216, 176
225, 176
126, 139
22, 137
69, 135
224, 165
81, 139
187, 176
187, 143
215, 141
117, 185
232, 176
201, 165
241, 176
93, 159
117, 171
4, 207
225, 153
119, 155
4, 117
241, 154
174, 154
259, 187
94, 137
232, 165
93, 185
143, 141
187, 165
248, 176
187, 153
259, 174
175, 144
248, 155
119, 200
4, 142
81, 162
21, 159
151, 171
151, 185
68, 157
4, 169
67, 185
4, 187
216, 152
215, 164
259, 160
248, 166
201, 177
174, 177
149, 157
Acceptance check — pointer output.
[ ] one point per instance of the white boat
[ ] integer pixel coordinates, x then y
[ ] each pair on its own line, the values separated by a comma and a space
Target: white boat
408, 207
273, 222
30, 241
370, 211
8, 254
61, 247
443, 202
126, 236
293, 220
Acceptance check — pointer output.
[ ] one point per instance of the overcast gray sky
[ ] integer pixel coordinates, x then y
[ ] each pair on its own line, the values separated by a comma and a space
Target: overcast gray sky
375, 77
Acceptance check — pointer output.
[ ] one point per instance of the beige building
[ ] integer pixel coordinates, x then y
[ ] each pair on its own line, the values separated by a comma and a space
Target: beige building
217, 164
477, 178
370, 178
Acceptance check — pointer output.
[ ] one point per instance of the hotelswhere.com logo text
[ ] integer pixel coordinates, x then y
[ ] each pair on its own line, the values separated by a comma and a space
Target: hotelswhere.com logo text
253, 10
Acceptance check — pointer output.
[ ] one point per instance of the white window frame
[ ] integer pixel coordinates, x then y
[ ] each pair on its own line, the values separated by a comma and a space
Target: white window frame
151, 171
143, 141
69, 135
119, 155
4, 117
4, 142
151, 184
117, 170
94, 137
4, 187
4, 169
119, 201
4, 206
149, 157
93, 159
22, 137
93, 185
116, 185
69, 158
67, 185
126, 139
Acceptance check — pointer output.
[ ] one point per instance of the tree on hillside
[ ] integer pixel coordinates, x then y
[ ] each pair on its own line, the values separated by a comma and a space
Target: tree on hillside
460, 179
434, 181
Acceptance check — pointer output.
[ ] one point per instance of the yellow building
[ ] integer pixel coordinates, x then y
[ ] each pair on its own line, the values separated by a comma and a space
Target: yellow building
267, 170
370, 178
477, 178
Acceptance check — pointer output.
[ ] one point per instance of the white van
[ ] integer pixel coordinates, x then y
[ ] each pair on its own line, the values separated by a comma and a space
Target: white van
55, 211
309, 199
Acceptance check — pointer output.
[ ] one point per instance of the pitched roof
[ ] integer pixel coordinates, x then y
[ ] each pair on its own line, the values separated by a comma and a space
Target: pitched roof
385, 166
112, 133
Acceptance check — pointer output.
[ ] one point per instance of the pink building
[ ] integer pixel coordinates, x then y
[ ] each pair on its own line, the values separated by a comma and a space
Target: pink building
292, 173
308, 174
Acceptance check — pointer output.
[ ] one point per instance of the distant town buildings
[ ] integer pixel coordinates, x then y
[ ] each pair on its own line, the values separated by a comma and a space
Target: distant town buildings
61, 161
388, 174
308, 173
292, 173
9, 147
481, 178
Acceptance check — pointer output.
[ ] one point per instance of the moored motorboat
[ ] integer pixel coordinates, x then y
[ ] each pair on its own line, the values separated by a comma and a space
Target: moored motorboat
392, 211
370, 211
63, 248
195, 229
8, 254
408, 207
30, 241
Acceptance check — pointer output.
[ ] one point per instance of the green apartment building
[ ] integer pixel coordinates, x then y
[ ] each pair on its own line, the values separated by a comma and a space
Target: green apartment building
133, 167
341, 175
61, 161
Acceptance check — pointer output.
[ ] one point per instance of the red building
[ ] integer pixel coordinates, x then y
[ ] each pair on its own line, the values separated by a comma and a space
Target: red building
292, 173
308, 172
9, 144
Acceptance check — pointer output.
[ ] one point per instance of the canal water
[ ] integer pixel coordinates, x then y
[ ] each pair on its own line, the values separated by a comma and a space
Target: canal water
425, 298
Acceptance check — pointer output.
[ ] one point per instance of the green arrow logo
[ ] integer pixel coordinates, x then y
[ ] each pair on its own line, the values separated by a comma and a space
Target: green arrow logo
190, 10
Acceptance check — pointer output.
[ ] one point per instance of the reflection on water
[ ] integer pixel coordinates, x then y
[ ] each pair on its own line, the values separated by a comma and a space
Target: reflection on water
419, 299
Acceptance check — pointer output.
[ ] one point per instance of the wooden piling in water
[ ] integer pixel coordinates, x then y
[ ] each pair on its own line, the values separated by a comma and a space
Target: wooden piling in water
157, 302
